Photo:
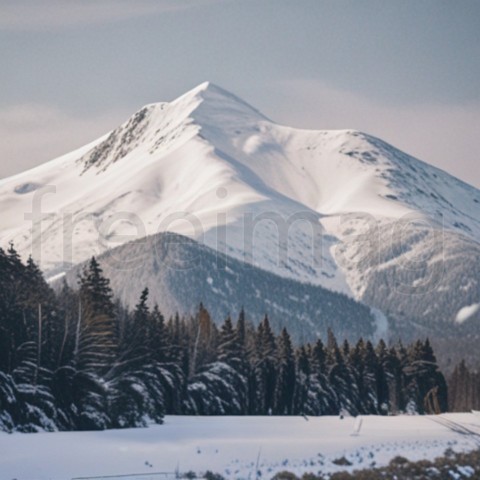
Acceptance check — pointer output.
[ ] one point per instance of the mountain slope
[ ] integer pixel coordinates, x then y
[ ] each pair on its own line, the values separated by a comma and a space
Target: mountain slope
324, 207
180, 273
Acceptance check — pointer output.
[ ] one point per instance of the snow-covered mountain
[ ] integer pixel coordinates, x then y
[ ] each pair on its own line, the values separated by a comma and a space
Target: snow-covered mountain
340, 209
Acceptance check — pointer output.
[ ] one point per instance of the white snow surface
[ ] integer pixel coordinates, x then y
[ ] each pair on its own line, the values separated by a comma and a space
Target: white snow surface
467, 312
232, 446
205, 165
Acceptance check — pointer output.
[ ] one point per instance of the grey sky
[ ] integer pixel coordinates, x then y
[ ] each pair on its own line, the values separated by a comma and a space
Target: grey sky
407, 70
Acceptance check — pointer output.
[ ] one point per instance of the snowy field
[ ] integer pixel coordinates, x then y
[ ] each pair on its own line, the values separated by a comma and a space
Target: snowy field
235, 447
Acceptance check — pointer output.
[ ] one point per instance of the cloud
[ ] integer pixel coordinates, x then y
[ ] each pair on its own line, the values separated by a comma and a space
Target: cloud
442, 135
33, 134
55, 14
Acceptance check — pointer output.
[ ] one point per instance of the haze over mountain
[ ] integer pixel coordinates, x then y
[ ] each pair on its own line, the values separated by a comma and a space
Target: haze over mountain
338, 209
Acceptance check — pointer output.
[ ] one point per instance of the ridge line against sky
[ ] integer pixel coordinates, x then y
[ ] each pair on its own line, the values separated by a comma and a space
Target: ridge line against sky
404, 71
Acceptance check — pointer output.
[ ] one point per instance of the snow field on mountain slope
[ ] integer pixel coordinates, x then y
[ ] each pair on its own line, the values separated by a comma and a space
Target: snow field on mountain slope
233, 446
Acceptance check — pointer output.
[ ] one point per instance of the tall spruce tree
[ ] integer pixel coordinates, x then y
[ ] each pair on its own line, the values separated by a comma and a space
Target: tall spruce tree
96, 342
285, 375
302, 382
265, 367
341, 378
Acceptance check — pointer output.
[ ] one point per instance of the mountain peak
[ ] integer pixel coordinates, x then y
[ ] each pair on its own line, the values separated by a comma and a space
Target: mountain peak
207, 87
209, 98
203, 87
205, 91
163, 125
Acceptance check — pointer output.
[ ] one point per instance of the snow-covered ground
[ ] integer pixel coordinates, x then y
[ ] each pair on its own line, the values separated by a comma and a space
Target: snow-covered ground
235, 447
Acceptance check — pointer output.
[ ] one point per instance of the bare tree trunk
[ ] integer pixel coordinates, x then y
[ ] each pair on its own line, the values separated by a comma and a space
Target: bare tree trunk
39, 345
77, 332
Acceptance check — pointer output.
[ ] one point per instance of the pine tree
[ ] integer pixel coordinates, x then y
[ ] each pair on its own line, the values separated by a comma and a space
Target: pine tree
15, 325
204, 341
49, 328
341, 378
302, 382
157, 336
96, 333
321, 398
387, 371
424, 379
265, 367
241, 328
228, 350
371, 379
95, 290
215, 390
285, 376
141, 311
318, 358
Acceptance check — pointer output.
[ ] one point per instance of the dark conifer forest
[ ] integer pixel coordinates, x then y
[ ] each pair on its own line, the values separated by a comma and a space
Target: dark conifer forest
77, 360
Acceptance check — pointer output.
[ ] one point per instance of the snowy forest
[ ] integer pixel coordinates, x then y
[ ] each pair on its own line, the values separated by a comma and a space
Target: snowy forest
75, 359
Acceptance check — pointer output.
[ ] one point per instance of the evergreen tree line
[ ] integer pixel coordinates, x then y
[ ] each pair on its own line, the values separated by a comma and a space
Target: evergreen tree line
77, 360
464, 389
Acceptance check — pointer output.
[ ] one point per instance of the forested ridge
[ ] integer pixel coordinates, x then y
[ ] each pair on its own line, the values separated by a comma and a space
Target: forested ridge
76, 359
